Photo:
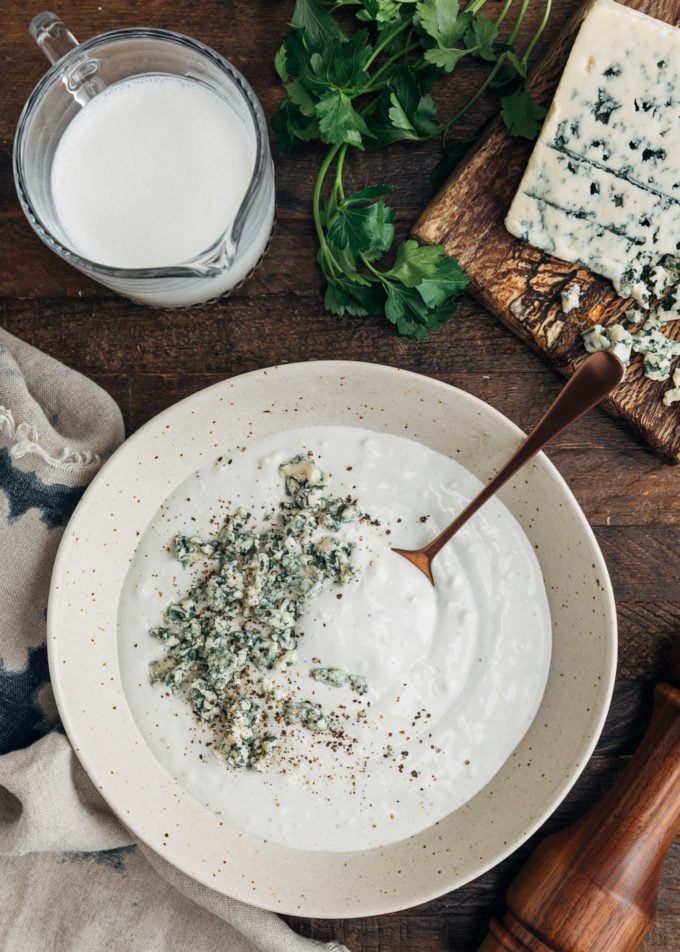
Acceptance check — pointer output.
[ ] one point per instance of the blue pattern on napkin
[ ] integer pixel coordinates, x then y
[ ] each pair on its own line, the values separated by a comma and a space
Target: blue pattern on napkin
25, 491
114, 859
22, 720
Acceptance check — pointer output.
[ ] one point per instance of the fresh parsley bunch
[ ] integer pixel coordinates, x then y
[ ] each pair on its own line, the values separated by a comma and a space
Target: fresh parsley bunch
368, 89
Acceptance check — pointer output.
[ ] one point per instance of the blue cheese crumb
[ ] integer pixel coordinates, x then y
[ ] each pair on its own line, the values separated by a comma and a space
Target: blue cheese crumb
571, 298
614, 338
657, 350
673, 395
339, 678
241, 619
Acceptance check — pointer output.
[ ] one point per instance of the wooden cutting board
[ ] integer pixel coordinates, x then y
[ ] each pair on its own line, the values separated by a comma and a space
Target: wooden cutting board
521, 285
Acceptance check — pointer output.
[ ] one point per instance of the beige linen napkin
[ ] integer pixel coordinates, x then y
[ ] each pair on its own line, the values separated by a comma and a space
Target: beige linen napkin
71, 877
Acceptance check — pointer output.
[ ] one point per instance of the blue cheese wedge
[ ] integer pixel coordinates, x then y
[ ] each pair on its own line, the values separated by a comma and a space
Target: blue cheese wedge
602, 187
240, 620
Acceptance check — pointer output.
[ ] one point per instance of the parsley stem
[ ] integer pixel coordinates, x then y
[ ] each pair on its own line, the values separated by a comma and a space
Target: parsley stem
338, 172
475, 6
388, 62
370, 267
504, 12
379, 47
380, 275
518, 22
494, 72
539, 32
444, 130
316, 206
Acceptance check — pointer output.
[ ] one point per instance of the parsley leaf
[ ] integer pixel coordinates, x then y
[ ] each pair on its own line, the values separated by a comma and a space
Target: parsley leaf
480, 36
362, 227
427, 280
341, 65
301, 97
316, 21
339, 121
448, 279
413, 318
404, 110
290, 127
382, 11
522, 115
440, 20
410, 111
345, 296
415, 262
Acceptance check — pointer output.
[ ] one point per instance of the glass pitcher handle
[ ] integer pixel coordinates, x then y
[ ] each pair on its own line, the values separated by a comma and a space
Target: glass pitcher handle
52, 36
56, 41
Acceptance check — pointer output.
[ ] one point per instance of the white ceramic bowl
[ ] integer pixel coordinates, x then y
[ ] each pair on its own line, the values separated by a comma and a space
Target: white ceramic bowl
82, 638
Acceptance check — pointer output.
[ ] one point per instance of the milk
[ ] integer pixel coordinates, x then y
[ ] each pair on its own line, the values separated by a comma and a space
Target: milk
150, 174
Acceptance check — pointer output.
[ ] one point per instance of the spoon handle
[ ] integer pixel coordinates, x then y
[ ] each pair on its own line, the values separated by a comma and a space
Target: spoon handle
595, 378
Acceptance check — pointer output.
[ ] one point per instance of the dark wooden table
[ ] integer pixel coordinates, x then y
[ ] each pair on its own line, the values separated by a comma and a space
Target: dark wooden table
150, 359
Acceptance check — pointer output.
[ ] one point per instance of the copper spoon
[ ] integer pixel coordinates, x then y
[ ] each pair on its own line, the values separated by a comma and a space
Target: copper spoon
595, 378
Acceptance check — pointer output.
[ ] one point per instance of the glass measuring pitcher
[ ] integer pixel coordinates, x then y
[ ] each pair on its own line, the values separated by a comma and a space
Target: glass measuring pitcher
79, 73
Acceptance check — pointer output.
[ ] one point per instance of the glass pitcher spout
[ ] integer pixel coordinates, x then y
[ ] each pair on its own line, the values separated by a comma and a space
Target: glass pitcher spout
216, 260
81, 78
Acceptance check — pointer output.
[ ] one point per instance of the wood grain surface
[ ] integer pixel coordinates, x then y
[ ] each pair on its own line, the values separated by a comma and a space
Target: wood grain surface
150, 359
522, 285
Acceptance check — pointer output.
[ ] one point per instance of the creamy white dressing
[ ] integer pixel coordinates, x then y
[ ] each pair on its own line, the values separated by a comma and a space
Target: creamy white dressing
455, 672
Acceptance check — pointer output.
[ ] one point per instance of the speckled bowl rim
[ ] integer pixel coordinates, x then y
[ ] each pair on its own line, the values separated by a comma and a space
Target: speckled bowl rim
328, 885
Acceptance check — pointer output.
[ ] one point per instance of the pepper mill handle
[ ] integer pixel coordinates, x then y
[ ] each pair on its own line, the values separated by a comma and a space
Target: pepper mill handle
592, 887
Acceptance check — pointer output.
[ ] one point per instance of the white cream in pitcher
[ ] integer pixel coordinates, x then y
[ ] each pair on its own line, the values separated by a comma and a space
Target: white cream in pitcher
151, 173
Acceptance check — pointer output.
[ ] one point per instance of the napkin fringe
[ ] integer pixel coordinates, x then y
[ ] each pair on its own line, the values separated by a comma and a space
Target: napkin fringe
24, 440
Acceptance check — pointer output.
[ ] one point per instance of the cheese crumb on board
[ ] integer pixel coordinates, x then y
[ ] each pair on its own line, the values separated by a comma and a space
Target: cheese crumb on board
657, 350
602, 187
571, 298
673, 395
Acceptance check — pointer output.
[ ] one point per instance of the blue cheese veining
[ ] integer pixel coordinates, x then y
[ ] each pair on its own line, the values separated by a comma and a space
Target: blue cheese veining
602, 187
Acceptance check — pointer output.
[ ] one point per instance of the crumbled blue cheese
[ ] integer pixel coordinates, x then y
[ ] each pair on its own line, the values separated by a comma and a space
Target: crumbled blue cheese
601, 187
596, 338
308, 714
241, 619
658, 351
622, 343
571, 298
673, 395
339, 678
614, 338
634, 315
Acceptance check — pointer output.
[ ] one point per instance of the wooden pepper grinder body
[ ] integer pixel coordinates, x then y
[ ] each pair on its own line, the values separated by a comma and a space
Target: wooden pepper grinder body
592, 887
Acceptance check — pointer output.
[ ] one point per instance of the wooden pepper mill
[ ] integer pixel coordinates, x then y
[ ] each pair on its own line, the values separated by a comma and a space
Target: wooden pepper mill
592, 887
